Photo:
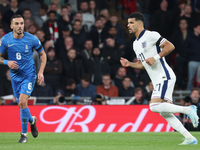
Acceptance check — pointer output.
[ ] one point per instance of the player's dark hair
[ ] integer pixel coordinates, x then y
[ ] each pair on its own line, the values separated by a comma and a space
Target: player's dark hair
137, 16
15, 16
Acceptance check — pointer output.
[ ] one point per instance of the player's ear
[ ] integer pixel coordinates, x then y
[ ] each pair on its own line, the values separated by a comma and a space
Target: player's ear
11, 26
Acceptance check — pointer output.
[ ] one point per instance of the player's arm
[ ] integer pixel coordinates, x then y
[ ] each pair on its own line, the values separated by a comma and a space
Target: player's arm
11, 64
43, 59
167, 48
136, 65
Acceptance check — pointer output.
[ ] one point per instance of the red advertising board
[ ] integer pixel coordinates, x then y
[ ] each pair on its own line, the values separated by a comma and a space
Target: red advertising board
86, 118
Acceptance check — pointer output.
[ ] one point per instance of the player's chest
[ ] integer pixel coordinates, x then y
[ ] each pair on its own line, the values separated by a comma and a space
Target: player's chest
19, 47
142, 46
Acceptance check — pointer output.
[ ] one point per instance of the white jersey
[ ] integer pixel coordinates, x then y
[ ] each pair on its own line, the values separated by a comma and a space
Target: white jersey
146, 46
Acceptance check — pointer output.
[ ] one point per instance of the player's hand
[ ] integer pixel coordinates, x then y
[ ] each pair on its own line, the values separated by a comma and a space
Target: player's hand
124, 62
40, 78
13, 65
150, 61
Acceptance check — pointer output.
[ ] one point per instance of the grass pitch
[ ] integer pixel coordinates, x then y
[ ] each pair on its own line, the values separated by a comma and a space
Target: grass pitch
98, 141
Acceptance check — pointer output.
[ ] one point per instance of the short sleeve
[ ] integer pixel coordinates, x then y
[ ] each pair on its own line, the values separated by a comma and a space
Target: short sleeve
156, 38
3, 45
37, 44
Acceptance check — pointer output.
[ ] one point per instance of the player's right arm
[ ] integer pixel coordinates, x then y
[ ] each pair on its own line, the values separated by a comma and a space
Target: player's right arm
3, 47
136, 65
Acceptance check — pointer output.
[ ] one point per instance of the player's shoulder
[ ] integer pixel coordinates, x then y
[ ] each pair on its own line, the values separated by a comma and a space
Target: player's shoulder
7, 36
29, 35
152, 33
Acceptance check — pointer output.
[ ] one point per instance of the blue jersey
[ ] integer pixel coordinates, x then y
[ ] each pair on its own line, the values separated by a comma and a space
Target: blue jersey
21, 51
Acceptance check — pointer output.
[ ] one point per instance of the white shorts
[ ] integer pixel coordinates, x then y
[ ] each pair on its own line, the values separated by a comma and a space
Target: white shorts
164, 90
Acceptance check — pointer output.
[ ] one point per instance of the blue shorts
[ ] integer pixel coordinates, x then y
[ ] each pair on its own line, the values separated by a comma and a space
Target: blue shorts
25, 86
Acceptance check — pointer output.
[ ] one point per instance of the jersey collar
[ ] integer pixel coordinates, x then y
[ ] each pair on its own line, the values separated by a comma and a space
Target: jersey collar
141, 34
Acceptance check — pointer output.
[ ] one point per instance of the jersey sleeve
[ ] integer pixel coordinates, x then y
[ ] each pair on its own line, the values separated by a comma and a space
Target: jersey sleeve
3, 45
37, 44
157, 38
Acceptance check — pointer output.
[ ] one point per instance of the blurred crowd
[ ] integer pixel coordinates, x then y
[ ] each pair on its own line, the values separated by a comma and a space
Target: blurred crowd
84, 41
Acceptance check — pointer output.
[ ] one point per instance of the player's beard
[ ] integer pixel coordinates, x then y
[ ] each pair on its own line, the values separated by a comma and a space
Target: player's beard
18, 32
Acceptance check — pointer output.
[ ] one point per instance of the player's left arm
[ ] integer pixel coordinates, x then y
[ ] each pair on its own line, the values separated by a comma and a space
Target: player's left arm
167, 48
43, 60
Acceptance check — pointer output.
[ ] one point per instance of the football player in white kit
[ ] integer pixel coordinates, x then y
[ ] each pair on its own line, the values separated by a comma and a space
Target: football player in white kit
150, 49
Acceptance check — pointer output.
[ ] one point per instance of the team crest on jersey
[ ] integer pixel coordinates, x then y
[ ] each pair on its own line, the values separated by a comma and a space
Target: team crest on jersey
144, 44
26, 48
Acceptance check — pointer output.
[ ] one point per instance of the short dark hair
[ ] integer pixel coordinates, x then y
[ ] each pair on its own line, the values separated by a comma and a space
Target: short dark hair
44, 7
86, 77
137, 16
15, 16
26, 9
51, 12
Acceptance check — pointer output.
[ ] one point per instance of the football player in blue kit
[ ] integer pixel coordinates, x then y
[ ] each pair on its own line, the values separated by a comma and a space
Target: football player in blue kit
19, 46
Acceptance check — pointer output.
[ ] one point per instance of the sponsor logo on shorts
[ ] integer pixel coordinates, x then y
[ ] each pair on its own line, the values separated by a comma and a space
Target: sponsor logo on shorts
28, 91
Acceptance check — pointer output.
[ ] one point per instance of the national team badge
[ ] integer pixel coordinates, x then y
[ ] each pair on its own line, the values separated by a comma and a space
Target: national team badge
26, 48
144, 44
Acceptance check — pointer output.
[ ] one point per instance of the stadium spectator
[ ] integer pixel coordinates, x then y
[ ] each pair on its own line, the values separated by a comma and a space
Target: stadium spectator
41, 17
98, 34
27, 13
98, 66
70, 88
41, 36
10, 12
107, 88
71, 13
4, 6
86, 53
113, 34
31, 4
60, 43
43, 90
126, 89
53, 70
148, 91
3, 24
190, 16
114, 23
72, 67
93, 8
27, 23
51, 27
85, 88
112, 53
139, 77
5, 84
32, 29
2, 32
88, 18
53, 7
162, 20
139, 99
193, 99
117, 80
78, 35
191, 45
144, 9
178, 39
64, 18
59, 98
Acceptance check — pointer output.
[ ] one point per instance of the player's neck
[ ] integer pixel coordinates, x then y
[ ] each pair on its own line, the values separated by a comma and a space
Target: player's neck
137, 34
18, 36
